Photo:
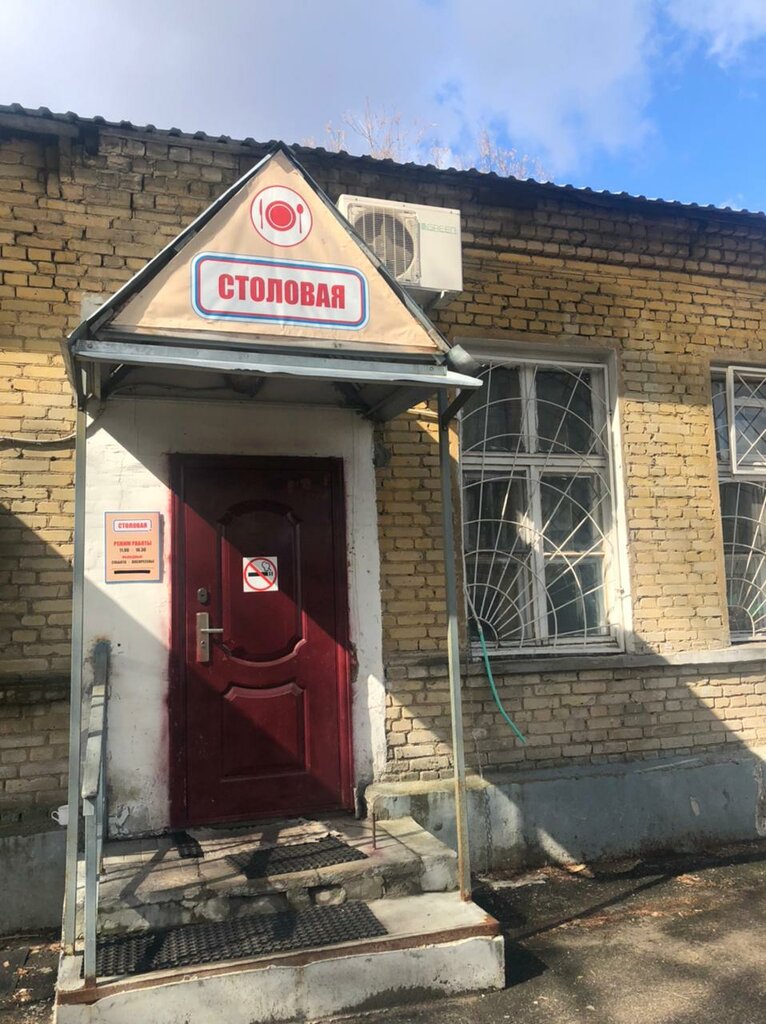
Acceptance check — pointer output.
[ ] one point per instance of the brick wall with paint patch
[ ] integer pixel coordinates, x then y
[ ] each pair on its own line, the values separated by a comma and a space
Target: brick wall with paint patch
34, 736
666, 291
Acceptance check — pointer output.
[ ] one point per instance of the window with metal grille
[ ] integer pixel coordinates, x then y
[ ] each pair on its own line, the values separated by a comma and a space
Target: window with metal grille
739, 417
538, 511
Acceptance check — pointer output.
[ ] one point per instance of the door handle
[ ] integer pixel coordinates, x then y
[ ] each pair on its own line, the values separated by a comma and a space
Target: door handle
203, 632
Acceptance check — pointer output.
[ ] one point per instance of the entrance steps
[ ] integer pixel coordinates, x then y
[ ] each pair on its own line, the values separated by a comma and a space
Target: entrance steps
197, 939
146, 884
436, 945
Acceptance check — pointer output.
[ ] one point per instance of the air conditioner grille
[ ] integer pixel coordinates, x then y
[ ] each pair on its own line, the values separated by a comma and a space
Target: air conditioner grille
389, 238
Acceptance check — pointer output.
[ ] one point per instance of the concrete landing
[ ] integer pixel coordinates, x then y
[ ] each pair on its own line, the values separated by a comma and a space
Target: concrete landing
436, 945
146, 884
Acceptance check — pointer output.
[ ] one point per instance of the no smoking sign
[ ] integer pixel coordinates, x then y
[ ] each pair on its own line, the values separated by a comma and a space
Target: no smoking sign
260, 574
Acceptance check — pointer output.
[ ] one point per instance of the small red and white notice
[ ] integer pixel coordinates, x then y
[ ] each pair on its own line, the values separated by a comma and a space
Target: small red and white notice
260, 574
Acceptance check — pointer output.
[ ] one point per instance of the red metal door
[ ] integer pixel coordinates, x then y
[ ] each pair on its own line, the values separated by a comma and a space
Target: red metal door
262, 727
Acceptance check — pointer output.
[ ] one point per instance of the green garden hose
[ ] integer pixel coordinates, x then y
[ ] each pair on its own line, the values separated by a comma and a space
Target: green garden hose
490, 676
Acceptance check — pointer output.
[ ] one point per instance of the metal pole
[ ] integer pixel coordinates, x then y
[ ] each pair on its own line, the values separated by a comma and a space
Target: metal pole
75, 699
453, 654
90, 817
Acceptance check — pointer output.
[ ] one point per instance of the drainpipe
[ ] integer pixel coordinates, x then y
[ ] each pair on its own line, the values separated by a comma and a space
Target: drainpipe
75, 707
453, 649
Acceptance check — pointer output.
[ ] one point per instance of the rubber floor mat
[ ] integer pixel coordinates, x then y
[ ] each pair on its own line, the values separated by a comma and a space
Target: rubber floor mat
187, 846
242, 938
284, 860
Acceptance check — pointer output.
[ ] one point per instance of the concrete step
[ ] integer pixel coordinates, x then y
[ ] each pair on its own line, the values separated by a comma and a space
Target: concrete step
145, 884
435, 945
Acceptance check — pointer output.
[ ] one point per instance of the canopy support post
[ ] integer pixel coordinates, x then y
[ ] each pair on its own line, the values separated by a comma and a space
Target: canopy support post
453, 653
75, 708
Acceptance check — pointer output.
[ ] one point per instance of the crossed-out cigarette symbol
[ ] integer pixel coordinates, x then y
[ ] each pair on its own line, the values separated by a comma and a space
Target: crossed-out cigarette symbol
260, 574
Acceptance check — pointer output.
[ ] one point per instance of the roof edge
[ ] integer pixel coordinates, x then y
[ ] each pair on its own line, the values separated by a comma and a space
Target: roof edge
43, 121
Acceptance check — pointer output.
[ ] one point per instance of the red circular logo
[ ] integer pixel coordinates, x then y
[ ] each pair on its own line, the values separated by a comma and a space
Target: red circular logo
281, 216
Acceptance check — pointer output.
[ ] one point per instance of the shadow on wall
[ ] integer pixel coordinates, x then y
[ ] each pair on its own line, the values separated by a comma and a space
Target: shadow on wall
621, 758
625, 754
138, 749
34, 673
134, 444
34, 724
34, 700
561, 797
34, 737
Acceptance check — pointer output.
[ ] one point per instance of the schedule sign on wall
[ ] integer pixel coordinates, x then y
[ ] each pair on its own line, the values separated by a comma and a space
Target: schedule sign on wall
132, 547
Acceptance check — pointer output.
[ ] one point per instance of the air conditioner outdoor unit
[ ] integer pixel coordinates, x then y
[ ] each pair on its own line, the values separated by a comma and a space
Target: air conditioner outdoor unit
419, 245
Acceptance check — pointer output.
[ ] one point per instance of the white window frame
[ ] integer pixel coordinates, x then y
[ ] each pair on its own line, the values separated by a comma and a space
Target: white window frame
730, 471
743, 373
616, 594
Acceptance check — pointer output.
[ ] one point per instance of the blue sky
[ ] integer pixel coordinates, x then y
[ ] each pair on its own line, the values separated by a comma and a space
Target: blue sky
660, 97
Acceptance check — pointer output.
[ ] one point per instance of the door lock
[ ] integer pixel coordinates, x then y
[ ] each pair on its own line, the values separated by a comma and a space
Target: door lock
203, 634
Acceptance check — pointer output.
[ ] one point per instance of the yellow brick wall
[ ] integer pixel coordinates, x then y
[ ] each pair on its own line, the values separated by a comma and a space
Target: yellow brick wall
572, 717
667, 291
410, 533
35, 401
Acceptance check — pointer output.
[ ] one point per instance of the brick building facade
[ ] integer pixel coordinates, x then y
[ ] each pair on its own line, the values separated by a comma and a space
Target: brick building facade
659, 295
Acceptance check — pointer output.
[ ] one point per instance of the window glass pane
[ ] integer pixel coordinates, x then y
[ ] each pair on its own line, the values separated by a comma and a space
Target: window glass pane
749, 387
502, 597
565, 412
492, 417
743, 510
571, 512
750, 425
493, 506
498, 541
575, 591
720, 419
750, 419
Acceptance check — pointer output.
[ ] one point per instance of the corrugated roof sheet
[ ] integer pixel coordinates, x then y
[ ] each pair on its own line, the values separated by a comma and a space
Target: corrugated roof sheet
249, 144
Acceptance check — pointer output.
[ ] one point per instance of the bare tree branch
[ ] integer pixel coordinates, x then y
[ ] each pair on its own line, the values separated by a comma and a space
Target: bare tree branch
385, 135
506, 161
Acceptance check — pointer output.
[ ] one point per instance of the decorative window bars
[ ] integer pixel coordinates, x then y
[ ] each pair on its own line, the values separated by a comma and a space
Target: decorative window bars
739, 417
541, 564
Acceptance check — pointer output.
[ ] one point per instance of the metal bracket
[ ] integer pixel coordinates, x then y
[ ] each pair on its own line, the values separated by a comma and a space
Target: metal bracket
455, 406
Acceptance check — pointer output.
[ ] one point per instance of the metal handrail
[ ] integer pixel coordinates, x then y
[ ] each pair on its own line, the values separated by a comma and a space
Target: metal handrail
94, 804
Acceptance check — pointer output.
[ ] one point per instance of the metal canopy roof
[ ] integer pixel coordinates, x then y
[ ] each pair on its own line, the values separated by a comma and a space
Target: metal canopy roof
378, 383
379, 389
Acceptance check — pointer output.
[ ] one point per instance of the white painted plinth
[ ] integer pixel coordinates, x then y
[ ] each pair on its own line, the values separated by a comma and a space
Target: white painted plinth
311, 991
420, 959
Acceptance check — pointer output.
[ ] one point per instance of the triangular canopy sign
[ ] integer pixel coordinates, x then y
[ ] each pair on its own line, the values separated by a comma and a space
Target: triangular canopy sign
276, 264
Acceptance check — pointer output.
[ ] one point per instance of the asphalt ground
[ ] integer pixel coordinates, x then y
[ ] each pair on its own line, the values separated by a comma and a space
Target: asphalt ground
671, 940
28, 966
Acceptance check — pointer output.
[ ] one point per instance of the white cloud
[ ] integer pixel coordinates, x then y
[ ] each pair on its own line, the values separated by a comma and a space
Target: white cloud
567, 79
564, 79
734, 202
725, 26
